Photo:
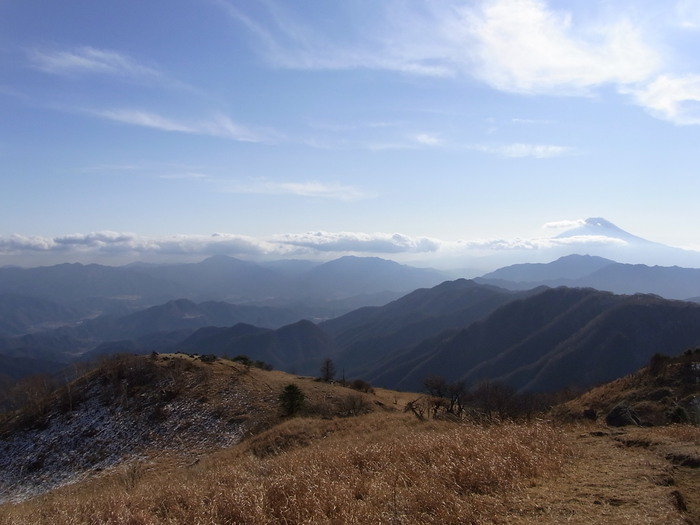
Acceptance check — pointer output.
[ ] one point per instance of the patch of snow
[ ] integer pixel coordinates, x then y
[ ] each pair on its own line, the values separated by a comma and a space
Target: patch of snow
100, 434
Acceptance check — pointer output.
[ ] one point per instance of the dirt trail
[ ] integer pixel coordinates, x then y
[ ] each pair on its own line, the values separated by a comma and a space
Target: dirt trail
614, 477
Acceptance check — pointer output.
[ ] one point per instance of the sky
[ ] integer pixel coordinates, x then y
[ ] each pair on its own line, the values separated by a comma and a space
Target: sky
421, 131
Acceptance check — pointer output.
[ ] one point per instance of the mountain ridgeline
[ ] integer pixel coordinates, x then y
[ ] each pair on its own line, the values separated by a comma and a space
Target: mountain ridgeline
534, 327
555, 339
87, 289
589, 271
50, 316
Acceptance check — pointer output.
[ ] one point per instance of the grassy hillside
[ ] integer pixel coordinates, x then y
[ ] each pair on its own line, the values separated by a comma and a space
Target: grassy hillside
377, 470
666, 391
200, 441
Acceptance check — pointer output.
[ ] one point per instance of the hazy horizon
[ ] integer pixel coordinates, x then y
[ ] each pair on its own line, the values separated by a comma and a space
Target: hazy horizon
440, 134
593, 236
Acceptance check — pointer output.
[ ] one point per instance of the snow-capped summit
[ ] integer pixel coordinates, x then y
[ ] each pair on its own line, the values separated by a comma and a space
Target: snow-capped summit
597, 226
594, 236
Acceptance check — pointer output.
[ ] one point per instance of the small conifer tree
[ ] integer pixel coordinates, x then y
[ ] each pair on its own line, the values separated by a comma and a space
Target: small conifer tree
291, 399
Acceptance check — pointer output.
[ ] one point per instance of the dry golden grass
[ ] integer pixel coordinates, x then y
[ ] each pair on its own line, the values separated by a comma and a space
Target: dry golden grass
685, 433
613, 478
383, 467
380, 468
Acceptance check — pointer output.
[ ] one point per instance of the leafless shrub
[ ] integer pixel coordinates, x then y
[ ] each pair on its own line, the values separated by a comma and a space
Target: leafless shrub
361, 386
353, 405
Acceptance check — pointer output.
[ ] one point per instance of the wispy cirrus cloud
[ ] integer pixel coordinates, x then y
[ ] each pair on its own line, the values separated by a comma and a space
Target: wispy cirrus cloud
409, 141
530, 121
516, 46
218, 126
521, 150
90, 60
513, 45
93, 61
315, 189
227, 183
290, 42
185, 175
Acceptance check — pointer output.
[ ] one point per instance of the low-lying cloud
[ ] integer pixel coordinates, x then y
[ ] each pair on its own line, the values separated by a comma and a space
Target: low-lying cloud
375, 243
109, 247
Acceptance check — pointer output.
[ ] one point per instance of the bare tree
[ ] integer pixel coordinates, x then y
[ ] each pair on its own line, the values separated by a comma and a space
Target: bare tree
327, 370
457, 396
435, 386
495, 400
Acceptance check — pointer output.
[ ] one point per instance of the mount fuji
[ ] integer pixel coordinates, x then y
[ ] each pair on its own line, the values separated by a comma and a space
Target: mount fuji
605, 257
599, 227
598, 236
594, 236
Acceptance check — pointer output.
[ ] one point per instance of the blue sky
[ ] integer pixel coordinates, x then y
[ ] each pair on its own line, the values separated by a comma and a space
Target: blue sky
421, 131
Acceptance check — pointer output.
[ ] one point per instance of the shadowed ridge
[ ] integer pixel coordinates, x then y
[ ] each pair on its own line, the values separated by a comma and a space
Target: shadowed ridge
552, 340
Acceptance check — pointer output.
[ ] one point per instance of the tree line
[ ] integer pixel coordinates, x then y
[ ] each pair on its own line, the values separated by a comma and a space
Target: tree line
487, 400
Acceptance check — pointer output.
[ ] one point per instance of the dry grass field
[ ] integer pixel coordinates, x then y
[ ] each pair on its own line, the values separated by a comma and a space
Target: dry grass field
354, 457
612, 479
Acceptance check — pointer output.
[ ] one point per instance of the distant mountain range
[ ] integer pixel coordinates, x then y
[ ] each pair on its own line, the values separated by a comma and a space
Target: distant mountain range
317, 289
601, 274
539, 339
536, 326
52, 315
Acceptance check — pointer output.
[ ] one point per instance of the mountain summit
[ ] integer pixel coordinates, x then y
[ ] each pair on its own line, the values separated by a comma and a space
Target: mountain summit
600, 237
597, 226
594, 236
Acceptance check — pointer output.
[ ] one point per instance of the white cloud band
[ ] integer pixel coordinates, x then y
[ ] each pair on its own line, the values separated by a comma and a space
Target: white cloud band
107, 244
